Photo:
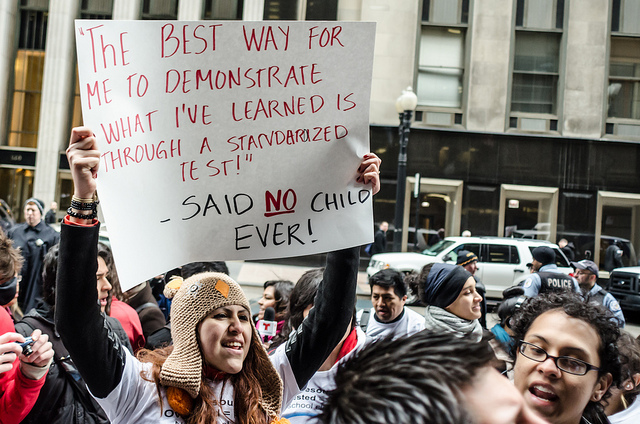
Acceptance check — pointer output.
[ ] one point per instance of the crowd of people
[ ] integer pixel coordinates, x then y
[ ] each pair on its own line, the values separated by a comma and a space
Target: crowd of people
184, 347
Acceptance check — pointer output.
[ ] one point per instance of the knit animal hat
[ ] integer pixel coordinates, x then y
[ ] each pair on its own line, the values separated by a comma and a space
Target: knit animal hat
193, 300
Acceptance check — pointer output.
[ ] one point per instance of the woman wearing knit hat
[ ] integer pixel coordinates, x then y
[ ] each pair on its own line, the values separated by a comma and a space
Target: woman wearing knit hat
217, 369
453, 304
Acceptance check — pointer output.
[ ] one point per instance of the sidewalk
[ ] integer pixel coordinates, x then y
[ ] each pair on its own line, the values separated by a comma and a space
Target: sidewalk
255, 274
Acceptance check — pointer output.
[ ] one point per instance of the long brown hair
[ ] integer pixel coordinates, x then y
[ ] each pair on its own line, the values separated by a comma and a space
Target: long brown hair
247, 392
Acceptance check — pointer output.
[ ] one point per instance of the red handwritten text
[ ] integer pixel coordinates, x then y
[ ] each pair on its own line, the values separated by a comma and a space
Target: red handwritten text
205, 36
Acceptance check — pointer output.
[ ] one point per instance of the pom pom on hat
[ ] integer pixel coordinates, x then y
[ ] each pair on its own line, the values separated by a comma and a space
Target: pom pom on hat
173, 286
179, 400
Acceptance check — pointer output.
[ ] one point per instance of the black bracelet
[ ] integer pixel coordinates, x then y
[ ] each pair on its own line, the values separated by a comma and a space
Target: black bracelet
93, 215
83, 206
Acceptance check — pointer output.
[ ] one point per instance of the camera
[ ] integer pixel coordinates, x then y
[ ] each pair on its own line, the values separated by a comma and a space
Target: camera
26, 346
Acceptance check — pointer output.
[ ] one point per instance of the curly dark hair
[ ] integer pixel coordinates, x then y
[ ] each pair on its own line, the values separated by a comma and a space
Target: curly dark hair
630, 362
597, 316
416, 282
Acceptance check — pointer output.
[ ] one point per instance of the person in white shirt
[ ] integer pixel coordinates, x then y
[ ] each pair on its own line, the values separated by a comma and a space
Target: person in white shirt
389, 316
217, 370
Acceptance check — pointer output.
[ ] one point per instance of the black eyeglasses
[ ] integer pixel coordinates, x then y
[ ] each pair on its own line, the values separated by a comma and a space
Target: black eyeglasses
564, 363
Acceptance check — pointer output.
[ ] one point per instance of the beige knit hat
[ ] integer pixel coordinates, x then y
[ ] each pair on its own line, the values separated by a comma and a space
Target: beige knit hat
193, 300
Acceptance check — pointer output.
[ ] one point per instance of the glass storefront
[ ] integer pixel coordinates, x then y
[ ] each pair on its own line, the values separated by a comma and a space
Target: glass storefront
16, 187
578, 169
25, 113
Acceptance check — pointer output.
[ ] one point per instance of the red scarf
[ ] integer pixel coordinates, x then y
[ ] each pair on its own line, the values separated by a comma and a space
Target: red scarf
349, 344
213, 374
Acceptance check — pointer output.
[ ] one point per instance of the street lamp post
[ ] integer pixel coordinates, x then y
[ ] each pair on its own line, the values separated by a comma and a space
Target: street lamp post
405, 105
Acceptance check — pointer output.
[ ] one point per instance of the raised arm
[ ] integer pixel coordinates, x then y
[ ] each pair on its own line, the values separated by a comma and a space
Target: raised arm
95, 350
312, 343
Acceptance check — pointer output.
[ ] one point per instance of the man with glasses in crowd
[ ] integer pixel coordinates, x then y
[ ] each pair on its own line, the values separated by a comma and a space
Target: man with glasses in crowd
586, 272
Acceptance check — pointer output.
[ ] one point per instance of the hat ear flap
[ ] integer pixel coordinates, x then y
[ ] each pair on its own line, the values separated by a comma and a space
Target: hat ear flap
269, 380
183, 366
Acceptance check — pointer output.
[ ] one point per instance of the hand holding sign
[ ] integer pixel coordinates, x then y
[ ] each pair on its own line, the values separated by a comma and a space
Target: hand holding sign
235, 140
369, 172
84, 160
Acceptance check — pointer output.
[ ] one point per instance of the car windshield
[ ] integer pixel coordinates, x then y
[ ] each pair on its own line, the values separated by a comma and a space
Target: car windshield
437, 248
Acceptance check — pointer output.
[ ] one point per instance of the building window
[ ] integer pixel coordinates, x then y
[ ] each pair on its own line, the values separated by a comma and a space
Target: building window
28, 72
535, 72
624, 78
223, 9
76, 116
160, 10
445, 11
280, 10
540, 14
321, 10
292, 10
441, 67
96, 9
90, 9
624, 16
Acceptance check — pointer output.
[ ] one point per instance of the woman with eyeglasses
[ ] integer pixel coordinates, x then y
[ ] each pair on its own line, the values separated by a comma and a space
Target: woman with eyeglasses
566, 357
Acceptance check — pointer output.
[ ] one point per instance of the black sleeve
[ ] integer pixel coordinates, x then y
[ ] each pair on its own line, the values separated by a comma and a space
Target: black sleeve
379, 243
24, 328
320, 333
94, 348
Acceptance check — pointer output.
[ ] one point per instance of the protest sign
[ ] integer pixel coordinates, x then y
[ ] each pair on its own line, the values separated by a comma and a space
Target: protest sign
227, 140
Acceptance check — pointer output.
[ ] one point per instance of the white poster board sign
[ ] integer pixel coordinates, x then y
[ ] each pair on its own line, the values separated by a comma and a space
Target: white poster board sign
227, 140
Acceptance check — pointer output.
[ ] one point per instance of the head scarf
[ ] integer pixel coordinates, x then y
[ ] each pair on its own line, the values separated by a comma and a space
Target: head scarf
444, 284
8, 291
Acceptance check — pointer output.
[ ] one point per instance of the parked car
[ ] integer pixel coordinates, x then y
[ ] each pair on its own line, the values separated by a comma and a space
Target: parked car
583, 243
502, 261
624, 285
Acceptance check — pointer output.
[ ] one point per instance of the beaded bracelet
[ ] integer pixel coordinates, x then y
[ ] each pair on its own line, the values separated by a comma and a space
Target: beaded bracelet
83, 206
93, 215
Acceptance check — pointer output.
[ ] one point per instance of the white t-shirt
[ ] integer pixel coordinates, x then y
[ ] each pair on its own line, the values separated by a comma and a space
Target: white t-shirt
631, 415
410, 323
308, 403
135, 400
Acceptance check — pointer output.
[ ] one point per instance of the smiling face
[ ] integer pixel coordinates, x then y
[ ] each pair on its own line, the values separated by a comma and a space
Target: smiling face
103, 283
559, 396
225, 338
493, 399
387, 304
267, 300
467, 305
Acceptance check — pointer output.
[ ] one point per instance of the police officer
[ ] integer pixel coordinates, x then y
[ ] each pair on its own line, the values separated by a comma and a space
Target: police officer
547, 278
587, 274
